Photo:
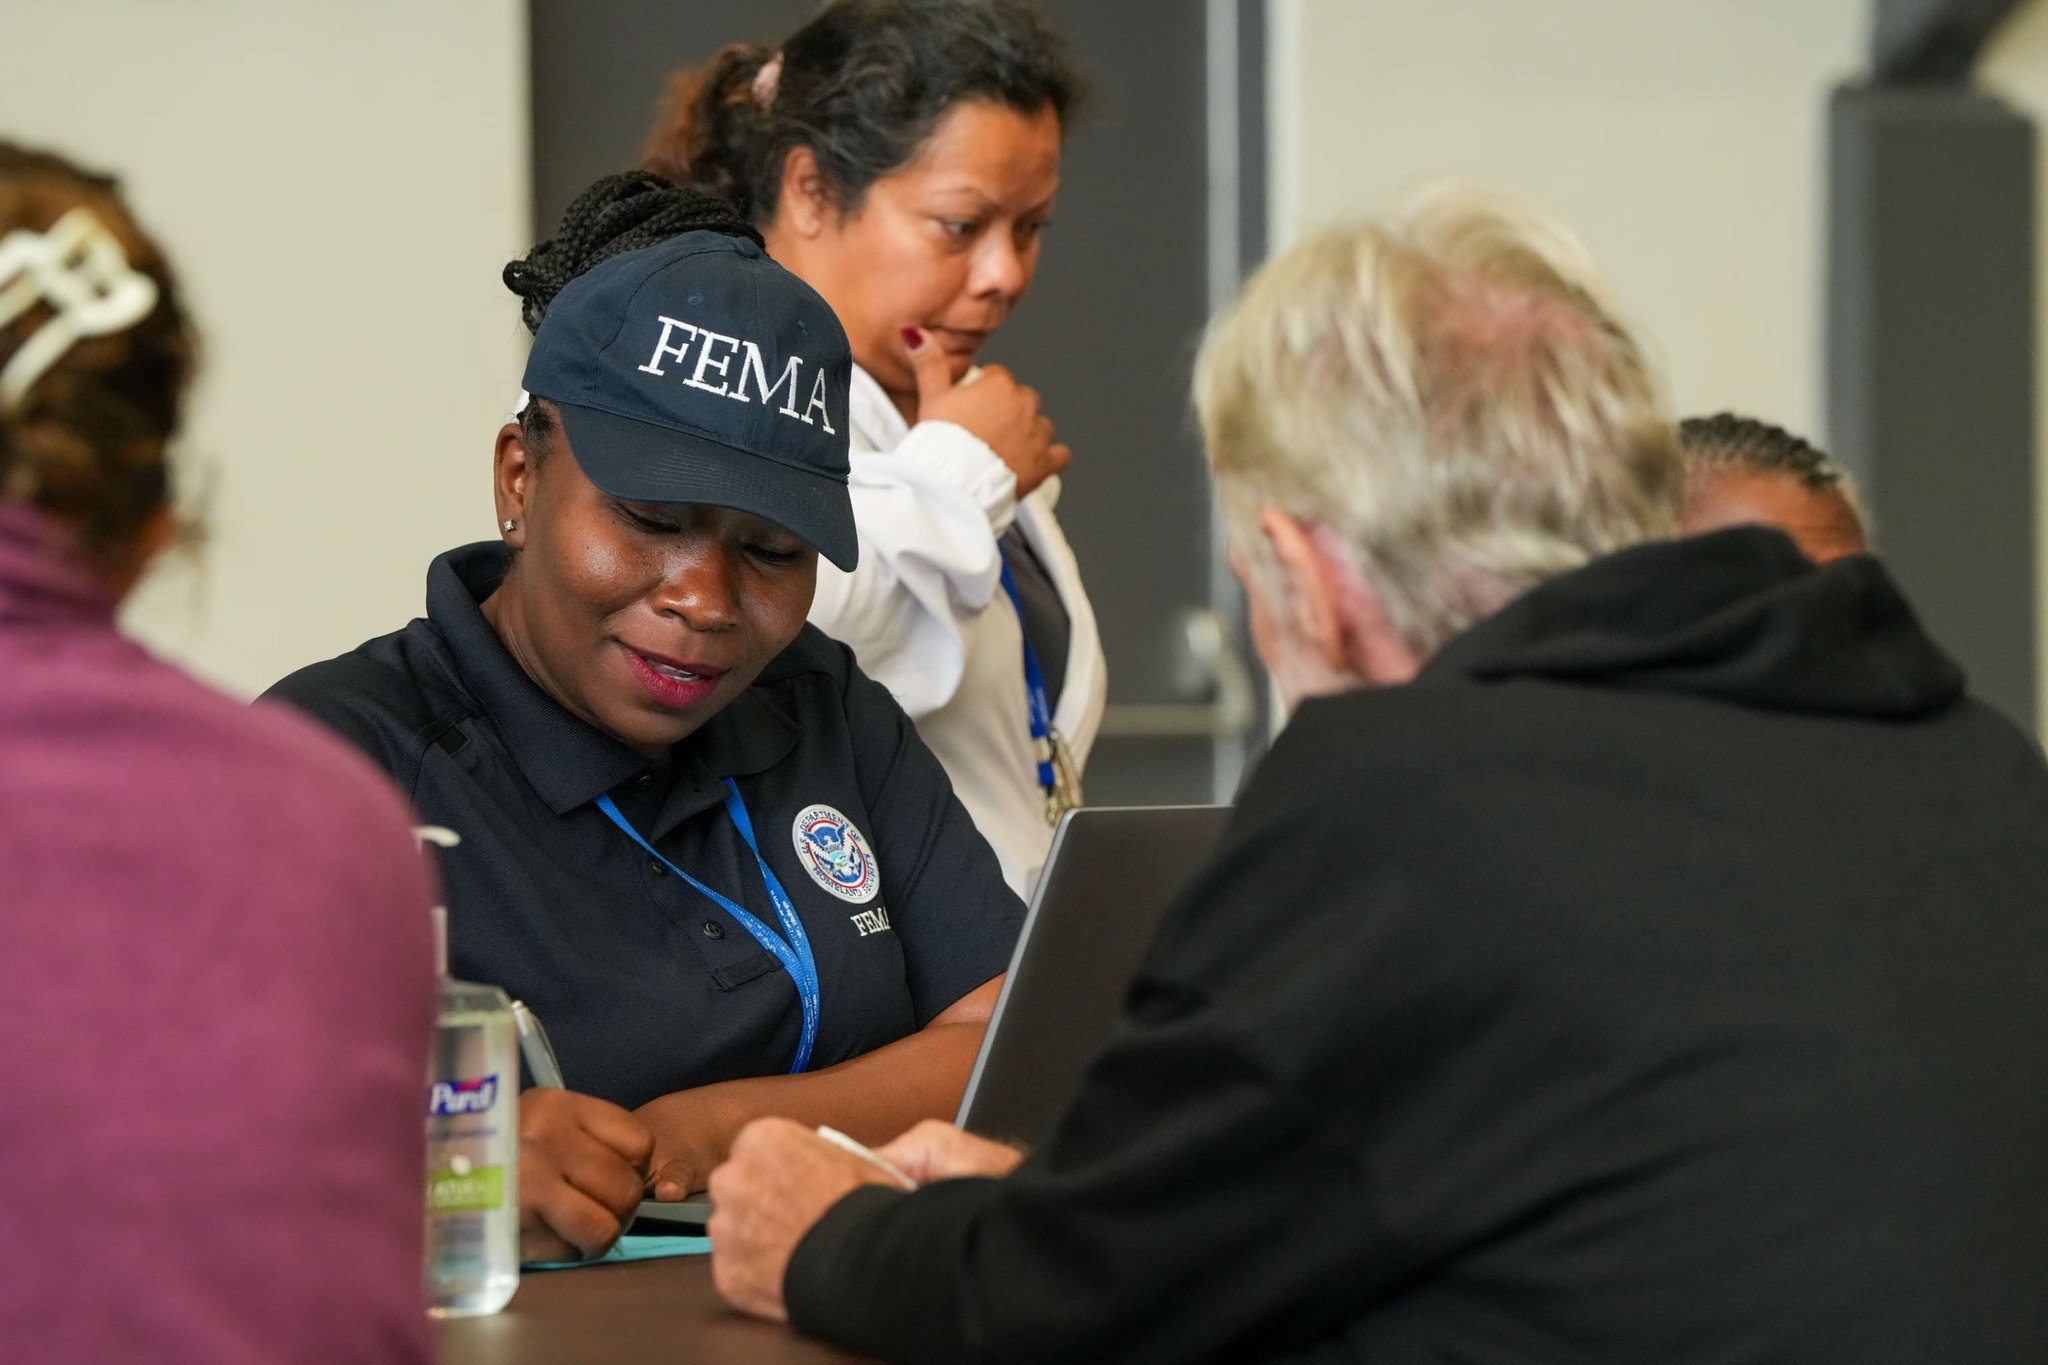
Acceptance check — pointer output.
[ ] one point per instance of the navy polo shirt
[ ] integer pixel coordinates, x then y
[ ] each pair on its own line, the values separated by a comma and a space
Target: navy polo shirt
645, 985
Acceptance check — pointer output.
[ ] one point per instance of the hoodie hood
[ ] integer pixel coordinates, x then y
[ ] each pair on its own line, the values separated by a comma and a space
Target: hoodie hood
1738, 615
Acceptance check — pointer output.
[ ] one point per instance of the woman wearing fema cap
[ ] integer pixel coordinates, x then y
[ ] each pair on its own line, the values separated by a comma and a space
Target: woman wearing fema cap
902, 157
710, 854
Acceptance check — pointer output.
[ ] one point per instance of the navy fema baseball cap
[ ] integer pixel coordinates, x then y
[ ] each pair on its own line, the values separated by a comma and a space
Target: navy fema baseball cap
700, 371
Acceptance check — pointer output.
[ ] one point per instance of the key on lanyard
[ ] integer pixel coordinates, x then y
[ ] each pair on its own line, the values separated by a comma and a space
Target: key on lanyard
1056, 774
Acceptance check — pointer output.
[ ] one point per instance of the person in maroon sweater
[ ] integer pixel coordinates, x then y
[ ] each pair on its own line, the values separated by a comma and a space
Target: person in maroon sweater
214, 952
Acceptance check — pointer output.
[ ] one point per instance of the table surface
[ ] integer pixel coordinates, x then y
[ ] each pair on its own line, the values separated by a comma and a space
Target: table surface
637, 1311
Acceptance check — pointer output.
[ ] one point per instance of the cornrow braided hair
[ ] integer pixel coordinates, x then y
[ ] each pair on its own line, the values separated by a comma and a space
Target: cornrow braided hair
619, 213
1730, 440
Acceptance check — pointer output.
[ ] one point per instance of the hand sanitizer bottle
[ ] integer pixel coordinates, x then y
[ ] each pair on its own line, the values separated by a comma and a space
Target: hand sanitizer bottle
472, 1142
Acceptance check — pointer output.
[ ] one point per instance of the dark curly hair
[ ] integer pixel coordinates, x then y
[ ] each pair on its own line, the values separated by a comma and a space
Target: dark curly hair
89, 441
862, 85
619, 213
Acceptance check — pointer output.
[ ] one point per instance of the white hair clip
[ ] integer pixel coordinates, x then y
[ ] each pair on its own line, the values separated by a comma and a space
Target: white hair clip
80, 271
766, 81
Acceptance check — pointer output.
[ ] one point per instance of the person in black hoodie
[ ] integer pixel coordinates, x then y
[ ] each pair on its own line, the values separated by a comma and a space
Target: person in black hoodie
1634, 949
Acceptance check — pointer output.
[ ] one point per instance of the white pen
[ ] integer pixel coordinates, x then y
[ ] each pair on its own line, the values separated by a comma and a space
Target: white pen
867, 1154
540, 1053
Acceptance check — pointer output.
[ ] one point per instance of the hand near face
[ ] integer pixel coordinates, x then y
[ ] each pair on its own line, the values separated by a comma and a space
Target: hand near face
993, 406
582, 1171
938, 1151
780, 1179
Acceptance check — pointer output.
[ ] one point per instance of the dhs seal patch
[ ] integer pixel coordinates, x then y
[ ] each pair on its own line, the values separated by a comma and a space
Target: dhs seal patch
836, 855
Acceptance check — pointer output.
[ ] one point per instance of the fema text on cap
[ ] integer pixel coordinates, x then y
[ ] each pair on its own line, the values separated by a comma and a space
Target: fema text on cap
708, 359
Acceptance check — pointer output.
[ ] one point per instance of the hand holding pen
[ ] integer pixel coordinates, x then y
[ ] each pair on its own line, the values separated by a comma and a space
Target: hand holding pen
582, 1161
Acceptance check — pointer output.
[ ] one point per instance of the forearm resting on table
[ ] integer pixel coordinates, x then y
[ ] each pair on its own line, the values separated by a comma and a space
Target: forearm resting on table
872, 1097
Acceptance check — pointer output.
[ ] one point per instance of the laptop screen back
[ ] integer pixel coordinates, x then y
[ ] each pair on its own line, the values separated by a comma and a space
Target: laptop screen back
1110, 877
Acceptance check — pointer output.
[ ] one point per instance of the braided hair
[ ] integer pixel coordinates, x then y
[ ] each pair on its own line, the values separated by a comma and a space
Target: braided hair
1729, 440
619, 213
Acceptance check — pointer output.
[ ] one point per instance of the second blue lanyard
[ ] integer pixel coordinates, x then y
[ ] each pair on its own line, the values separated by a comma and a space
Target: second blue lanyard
792, 947
1035, 695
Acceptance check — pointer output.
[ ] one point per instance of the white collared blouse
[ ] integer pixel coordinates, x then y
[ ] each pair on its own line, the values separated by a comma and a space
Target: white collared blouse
927, 617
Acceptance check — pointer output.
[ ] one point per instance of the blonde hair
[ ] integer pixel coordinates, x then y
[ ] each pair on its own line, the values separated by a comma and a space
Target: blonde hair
1448, 393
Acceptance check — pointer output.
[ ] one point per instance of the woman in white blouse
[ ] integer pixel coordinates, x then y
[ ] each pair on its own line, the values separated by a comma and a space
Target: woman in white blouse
902, 157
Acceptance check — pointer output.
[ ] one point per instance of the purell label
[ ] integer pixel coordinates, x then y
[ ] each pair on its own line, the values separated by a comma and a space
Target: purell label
451, 1098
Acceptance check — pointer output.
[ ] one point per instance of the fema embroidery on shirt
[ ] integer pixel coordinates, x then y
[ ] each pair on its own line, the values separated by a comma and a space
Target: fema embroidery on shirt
836, 855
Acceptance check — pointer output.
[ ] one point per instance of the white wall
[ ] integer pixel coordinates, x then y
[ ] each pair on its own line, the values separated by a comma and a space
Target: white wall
1684, 140
339, 184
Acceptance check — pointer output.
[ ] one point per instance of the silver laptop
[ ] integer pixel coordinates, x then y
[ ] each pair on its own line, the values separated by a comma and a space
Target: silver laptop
1108, 880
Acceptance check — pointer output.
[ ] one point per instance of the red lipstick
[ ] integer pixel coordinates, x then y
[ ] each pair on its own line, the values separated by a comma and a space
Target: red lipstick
676, 684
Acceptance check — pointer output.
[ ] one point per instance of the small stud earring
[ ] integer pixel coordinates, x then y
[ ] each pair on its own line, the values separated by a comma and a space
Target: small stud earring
510, 524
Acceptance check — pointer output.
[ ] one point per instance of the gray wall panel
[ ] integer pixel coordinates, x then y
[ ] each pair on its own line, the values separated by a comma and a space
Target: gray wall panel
599, 67
1931, 362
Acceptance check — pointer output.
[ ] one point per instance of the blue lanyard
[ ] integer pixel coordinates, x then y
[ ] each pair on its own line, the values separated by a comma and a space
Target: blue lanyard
794, 954
1034, 688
